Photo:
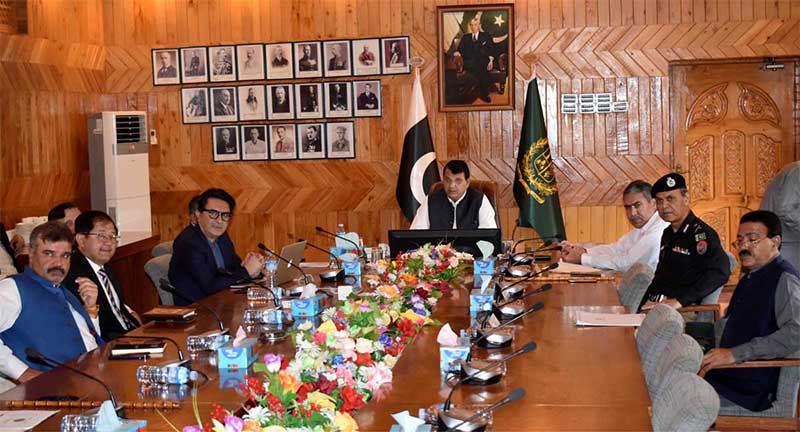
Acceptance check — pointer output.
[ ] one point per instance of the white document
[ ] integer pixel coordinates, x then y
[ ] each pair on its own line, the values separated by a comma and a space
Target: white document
314, 264
22, 420
565, 267
596, 319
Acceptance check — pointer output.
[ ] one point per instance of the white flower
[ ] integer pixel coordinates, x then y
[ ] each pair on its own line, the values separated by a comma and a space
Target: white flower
259, 414
364, 346
305, 326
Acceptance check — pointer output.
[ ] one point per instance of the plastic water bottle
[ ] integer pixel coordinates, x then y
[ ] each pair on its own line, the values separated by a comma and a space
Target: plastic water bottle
206, 342
257, 296
78, 423
262, 316
271, 268
162, 375
340, 229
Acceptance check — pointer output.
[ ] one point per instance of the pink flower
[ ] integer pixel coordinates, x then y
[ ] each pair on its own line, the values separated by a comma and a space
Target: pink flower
345, 376
378, 376
319, 338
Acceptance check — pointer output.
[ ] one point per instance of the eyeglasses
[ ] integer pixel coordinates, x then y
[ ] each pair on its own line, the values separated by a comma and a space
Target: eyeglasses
215, 214
104, 237
746, 243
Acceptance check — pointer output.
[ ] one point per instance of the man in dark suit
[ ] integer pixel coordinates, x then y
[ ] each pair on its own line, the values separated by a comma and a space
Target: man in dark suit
280, 103
96, 239
204, 260
224, 105
474, 49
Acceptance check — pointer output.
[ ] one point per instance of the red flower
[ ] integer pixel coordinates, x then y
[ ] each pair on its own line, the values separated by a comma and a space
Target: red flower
363, 359
285, 363
325, 385
302, 392
407, 328
218, 413
351, 399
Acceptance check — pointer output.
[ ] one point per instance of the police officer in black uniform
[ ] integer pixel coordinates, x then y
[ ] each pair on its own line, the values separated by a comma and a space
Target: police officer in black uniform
692, 263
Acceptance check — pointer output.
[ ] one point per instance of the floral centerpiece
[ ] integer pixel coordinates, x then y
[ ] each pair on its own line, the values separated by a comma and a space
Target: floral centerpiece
347, 360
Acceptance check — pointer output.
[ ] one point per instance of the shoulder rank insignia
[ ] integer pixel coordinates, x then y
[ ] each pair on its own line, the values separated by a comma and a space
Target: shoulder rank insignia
701, 236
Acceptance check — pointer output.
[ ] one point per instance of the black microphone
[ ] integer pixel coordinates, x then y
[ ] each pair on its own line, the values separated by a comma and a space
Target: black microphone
330, 275
530, 276
362, 253
42, 359
275, 300
168, 287
516, 394
306, 276
161, 338
530, 346
548, 241
491, 331
327, 252
543, 288
545, 247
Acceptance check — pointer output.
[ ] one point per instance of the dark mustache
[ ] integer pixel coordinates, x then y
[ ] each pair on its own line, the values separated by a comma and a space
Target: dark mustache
56, 269
744, 253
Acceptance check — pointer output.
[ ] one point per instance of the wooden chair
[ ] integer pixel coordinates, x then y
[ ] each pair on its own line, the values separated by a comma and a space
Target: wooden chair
687, 403
487, 187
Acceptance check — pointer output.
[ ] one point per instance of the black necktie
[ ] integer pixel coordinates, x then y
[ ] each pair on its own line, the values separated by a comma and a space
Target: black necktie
113, 300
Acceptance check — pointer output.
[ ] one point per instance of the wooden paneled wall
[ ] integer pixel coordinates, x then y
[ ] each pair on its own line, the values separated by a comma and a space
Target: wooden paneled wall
89, 55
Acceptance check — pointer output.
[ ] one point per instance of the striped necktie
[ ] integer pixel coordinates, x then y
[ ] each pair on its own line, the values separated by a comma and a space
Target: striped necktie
113, 300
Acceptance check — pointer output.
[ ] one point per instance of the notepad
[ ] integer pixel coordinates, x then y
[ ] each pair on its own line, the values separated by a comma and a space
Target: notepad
575, 269
596, 319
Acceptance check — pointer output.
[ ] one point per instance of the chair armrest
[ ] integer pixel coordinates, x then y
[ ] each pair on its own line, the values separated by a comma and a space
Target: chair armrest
715, 308
769, 363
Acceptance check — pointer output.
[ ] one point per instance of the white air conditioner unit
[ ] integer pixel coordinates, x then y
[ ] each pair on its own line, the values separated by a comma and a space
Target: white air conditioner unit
119, 171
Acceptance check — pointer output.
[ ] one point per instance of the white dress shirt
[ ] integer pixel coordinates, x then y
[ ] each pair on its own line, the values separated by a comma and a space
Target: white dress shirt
10, 308
640, 245
6, 264
96, 267
485, 214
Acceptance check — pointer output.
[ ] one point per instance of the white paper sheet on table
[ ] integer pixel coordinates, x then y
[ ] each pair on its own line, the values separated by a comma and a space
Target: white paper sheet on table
313, 264
565, 267
596, 319
22, 420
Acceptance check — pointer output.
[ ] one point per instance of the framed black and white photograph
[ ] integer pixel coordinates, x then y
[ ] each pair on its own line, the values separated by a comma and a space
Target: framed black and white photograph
395, 55
195, 105
338, 99
282, 143
254, 142
341, 143
368, 98
165, 67
250, 62
222, 63
337, 58
366, 57
311, 137
194, 65
281, 102
309, 100
252, 102
307, 59
280, 61
225, 143
223, 104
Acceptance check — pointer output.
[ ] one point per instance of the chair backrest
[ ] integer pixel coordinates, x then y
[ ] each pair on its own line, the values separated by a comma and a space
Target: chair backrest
786, 399
158, 268
686, 403
657, 330
682, 355
634, 285
487, 187
162, 248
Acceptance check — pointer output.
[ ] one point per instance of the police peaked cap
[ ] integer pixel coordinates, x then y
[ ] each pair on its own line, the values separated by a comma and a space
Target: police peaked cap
668, 183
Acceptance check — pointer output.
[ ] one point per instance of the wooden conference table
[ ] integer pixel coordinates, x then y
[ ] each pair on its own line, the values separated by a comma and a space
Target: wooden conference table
577, 378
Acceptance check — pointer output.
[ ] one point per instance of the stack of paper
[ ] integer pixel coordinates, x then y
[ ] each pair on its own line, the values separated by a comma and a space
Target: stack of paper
595, 319
578, 269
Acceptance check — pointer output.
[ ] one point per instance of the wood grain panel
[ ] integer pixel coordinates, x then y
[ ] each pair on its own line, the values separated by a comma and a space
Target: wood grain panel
92, 55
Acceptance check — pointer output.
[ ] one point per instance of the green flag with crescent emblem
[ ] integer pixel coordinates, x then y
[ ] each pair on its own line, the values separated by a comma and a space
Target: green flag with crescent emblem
535, 187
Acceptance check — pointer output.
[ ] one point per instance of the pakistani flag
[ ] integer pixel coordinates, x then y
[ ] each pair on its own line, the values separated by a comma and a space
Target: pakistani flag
418, 169
534, 182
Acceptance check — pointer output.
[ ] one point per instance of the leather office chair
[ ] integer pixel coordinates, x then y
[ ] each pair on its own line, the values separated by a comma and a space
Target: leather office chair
634, 285
682, 355
487, 187
162, 248
687, 403
657, 330
158, 268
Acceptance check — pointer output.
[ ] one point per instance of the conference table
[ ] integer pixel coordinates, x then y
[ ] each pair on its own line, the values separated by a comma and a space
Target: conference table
578, 378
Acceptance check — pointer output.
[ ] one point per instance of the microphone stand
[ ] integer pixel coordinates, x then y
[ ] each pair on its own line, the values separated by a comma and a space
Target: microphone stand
330, 275
515, 394
362, 253
275, 299
493, 330
307, 279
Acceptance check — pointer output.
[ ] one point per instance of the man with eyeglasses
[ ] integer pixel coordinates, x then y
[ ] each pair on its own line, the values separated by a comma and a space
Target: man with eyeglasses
204, 260
691, 263
639, 245
96, 240
37, 311
762, 321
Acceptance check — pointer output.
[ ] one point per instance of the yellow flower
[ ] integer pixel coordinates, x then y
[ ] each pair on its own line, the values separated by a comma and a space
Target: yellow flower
321, 399
327, 327
254, 426
389, 291
413, 316
288, 380
344, 422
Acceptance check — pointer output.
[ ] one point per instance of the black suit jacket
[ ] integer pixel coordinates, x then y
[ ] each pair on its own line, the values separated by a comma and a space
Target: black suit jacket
5, 243
193, 270
79, 266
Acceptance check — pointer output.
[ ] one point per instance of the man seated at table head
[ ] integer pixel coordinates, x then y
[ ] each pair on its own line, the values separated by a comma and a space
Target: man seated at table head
763, 319
639, 245
456, 205
204, 260
692, 263
38, 311
66, 213
96, 239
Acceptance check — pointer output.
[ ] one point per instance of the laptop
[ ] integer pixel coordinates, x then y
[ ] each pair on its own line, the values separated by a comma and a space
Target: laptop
294, 253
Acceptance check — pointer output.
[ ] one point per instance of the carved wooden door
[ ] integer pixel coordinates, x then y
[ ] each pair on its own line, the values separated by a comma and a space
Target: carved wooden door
732, 125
